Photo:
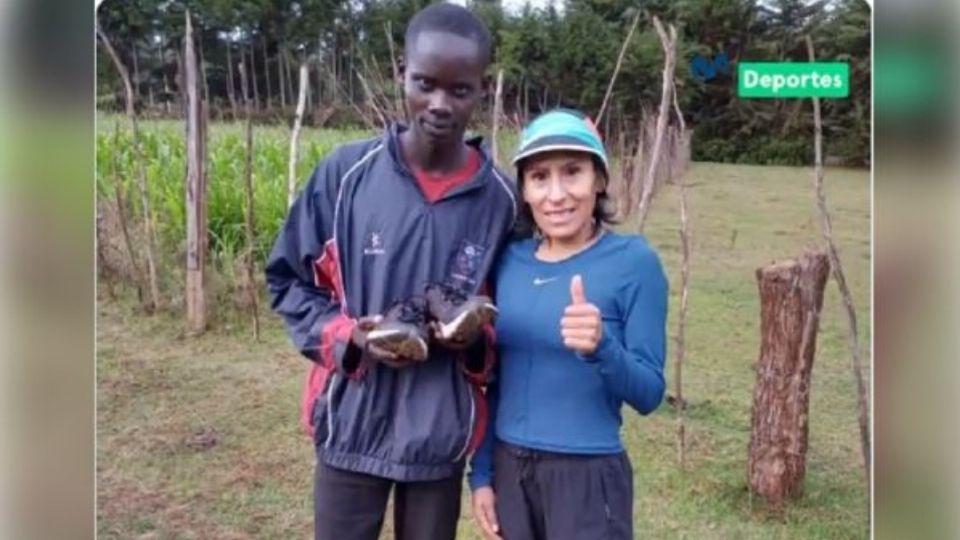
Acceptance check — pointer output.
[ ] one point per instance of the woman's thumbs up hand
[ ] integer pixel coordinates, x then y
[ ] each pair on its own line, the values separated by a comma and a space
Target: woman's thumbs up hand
581, 325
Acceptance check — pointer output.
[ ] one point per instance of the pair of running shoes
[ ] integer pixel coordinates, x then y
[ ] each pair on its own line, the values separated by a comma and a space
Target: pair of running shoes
455, 316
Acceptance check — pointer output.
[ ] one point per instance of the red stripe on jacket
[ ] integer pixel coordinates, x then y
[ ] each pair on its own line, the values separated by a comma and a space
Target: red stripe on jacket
477, 381
326, 275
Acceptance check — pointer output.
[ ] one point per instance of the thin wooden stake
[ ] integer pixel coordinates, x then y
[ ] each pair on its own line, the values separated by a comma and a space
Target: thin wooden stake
826, 228
205, 96
669, 64
288, 75
136, 69
253, 76
251, 284
280, 71
122, 214
295, 135
141, 171
266, 73
497, 113
308, 103
616, 70
371, 98
401, 107
682, 316
321, 58
231, 89
375, 90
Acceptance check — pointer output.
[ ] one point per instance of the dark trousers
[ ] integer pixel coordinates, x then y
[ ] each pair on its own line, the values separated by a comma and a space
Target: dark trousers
550, 496
351, 506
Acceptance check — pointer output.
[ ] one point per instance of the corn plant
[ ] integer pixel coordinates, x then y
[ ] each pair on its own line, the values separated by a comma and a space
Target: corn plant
163, 146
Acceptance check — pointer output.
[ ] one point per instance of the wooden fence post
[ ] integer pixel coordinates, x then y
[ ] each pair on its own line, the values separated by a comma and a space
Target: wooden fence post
196, 190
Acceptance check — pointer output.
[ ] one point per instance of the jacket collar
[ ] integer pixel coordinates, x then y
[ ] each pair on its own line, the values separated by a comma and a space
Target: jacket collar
391, 141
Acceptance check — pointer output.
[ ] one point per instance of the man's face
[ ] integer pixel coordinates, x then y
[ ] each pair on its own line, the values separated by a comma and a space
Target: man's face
443, 82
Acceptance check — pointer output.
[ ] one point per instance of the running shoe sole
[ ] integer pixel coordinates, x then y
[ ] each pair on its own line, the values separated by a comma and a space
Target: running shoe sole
403, 343
469, 323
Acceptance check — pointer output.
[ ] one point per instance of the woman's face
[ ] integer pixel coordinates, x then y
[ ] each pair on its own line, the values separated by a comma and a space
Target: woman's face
561, 188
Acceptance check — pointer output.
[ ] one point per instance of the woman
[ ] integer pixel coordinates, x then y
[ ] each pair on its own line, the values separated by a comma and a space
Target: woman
581, 330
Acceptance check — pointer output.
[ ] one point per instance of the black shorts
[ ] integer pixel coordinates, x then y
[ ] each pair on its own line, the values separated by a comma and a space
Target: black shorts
546, 495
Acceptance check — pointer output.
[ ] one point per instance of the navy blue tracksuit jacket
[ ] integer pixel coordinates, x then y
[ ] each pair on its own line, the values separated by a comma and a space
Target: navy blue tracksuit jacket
360, 236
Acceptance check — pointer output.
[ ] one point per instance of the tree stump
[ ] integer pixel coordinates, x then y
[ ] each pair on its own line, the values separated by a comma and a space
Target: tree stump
791, 295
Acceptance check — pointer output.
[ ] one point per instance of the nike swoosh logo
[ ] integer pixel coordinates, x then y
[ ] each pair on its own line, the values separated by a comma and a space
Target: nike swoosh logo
539, 281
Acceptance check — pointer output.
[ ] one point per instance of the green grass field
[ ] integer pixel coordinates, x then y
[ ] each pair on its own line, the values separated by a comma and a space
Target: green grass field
199, 437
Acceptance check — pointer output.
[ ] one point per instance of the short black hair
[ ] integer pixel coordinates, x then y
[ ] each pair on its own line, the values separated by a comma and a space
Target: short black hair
450, 19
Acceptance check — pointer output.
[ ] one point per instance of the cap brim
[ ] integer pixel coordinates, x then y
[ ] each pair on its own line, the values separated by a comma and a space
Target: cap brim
557, 143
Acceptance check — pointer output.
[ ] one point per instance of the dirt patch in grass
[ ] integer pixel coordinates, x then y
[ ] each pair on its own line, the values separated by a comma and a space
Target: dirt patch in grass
126, 510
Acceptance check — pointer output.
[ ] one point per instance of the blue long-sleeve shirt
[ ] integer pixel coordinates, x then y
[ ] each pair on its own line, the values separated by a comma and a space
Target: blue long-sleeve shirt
548, 397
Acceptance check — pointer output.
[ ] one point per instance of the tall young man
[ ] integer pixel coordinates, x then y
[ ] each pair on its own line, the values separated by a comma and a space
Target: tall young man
388, 233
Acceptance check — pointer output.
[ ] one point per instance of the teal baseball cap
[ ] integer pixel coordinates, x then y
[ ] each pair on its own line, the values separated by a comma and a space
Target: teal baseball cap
561, 129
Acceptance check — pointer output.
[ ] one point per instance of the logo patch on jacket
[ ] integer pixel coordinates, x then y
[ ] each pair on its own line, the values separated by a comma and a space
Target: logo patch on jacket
373, 244
467, 262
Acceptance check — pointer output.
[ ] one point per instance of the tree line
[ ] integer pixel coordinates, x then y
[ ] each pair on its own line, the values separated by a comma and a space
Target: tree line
561, 55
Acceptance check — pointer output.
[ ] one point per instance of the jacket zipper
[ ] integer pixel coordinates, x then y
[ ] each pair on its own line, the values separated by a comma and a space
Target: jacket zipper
473, 412
332, 389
